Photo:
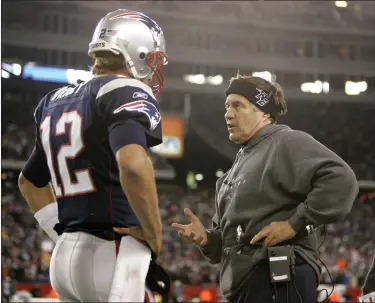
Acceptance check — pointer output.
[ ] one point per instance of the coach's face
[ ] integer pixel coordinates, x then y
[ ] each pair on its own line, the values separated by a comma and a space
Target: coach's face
242, 118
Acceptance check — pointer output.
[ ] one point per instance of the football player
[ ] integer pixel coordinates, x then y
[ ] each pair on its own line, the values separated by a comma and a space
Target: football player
92, 141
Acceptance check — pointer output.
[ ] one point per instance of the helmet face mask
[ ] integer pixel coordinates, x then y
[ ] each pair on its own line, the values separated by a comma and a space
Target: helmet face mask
138, 39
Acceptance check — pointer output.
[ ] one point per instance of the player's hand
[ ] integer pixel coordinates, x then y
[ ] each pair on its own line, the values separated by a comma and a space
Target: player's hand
193, 232
135, 232
138, 233
274, 233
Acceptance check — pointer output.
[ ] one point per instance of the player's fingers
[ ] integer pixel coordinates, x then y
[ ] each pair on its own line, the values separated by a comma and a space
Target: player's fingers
188, 213
135, 232
123, 230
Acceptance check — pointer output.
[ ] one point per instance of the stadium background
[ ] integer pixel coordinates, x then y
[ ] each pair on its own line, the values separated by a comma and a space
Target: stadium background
321, 52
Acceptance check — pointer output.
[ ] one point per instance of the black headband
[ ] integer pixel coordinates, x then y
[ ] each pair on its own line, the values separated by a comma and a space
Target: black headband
258, 97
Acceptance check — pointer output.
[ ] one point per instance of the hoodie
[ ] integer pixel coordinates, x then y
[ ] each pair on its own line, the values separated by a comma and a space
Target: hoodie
279, 175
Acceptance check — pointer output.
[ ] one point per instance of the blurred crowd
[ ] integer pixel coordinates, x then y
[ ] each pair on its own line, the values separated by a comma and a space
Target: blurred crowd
24, 258
349, 247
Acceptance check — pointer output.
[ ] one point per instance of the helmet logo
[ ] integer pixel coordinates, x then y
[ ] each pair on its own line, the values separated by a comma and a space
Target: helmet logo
151, 24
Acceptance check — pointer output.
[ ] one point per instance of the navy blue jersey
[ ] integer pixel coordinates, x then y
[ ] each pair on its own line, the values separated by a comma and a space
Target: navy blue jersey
74, 125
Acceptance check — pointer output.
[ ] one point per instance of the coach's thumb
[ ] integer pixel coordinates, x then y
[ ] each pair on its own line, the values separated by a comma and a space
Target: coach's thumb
188, 213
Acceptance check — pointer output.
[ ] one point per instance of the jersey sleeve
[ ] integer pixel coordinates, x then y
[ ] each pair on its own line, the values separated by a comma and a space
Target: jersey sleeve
38, 120
123, 101
36, 168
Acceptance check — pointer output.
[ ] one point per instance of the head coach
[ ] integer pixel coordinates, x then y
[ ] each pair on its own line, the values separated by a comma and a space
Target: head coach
282, 183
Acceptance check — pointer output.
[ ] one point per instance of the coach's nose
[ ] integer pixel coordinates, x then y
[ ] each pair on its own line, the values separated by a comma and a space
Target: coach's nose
229, 115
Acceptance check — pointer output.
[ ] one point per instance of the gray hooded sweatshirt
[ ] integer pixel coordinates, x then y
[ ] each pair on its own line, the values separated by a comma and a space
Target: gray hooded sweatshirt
279, 175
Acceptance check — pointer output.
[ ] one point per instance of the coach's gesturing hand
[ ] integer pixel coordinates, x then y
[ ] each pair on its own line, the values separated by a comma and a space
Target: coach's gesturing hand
274, 233
193, 232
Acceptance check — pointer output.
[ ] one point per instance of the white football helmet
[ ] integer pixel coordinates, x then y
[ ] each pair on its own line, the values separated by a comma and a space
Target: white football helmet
138, 38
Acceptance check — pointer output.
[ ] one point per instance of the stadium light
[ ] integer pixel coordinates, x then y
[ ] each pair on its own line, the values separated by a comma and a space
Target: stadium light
265, 75
219, 173
5, 74
315, 87
215, 80
312, 87
341, 3
355, 88
202, 79
73, 75
16, 69
195, 79
199, 177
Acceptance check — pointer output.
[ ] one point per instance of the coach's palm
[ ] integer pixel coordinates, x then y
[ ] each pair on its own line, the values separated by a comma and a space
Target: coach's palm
193, 232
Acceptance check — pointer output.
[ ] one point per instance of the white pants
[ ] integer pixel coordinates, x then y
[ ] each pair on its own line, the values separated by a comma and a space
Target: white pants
85, 268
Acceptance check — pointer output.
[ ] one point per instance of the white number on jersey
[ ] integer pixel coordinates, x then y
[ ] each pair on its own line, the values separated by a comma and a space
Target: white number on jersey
84, 183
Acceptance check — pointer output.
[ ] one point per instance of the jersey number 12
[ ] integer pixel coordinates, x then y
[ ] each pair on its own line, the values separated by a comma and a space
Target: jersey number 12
84, 183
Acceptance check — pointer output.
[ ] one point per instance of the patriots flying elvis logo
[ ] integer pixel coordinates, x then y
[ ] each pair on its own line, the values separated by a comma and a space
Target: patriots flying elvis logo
144, 107
151, 24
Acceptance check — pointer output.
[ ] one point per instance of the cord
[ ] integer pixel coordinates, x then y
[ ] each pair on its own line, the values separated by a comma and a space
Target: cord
295, 287
275, 293
293, 270
333, 284
324, 238
329, 274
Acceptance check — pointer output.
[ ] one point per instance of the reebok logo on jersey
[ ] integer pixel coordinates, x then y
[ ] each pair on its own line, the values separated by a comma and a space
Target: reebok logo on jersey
137, 95
144, 107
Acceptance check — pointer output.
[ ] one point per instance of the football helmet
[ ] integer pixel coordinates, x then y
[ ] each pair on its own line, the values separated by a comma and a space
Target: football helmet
138, 38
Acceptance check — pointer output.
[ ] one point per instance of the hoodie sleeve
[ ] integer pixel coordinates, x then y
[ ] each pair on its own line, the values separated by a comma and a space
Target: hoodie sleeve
213, 249
310, 170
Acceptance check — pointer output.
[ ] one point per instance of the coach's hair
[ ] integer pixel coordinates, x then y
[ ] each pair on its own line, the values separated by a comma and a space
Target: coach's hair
105, 61
276, 95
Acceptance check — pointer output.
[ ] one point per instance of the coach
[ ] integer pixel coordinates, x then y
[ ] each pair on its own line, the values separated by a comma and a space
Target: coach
282, 182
